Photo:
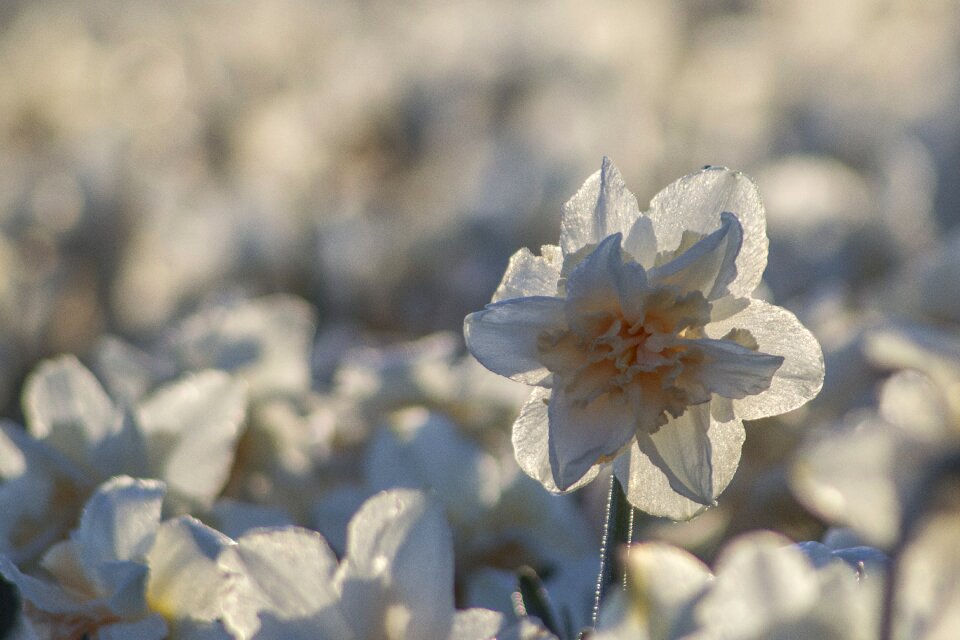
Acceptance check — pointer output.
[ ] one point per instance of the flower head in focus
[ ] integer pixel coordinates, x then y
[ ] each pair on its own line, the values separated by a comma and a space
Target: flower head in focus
643, 343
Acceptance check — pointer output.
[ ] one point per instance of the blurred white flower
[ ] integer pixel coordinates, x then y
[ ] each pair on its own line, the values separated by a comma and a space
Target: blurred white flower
428, 372
872, 472
123, 574
763, 587
927, 593
264, 341
640, 337
499, 517
482, 494
99, 574
395, 580
184, 433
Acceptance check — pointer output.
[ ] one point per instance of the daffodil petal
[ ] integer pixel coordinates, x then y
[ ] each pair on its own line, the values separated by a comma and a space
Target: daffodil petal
761, 573
777, 333
709, 266
288, 574
682, 450
119, 521
601, 207
530, 443
400, 559
860, 475
695, 202
731, 370
665, 580
529, 275
649, 486
66, 406
116, 531
580, 437
592, 284
192, 427
186, 583
503, 336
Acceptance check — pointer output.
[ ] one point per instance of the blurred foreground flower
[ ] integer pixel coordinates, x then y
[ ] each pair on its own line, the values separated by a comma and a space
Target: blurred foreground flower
640, 337
763, 587
395, 580
184, 433
124, 574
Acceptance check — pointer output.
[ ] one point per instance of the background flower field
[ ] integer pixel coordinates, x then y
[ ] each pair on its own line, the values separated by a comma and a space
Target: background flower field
238, 241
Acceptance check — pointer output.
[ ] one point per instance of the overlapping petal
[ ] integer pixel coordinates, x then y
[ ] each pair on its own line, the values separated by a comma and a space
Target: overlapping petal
695, 202
777, 332
582, 436
398, 569
859, 476
116, 530
651, 484
529, 275
531, 443
592, 285
288, 576
191, 427
66, 405
728, 369
119, 521
602, 207
186, 583
709, 266
504, 335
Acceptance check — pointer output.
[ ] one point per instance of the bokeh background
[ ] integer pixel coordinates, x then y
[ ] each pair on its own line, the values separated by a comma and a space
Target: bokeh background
384, 159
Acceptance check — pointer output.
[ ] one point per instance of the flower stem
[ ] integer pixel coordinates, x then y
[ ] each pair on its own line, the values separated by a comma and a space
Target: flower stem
617, 531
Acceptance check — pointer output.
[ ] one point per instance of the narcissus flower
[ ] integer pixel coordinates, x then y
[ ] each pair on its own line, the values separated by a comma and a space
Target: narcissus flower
125, 574
763, 587
643, 343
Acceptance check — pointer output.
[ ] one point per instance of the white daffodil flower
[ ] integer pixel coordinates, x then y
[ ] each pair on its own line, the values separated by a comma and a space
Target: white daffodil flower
395, 580
184, 433
763, 587
125, 574
264, 341
643, 343
98, 575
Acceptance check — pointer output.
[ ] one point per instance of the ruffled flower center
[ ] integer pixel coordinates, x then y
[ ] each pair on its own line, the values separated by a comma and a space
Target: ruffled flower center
648, 358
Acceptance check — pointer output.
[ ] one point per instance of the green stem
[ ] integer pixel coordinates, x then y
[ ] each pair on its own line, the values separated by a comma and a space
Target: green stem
617, 531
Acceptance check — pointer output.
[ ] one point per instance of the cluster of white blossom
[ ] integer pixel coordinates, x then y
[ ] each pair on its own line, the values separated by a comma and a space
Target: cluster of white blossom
238, 240
224, 484
103, 489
